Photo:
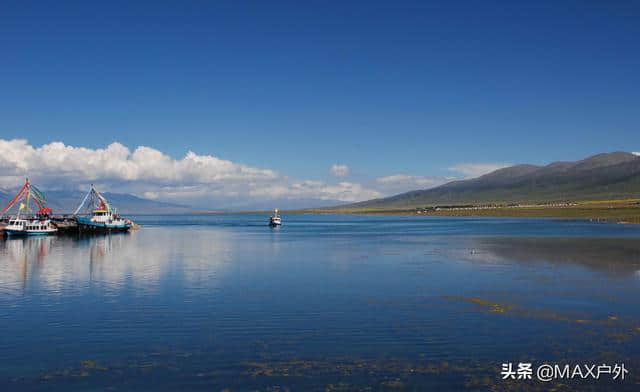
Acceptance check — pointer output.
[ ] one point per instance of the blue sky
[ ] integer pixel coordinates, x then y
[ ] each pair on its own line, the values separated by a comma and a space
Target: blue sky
408, 88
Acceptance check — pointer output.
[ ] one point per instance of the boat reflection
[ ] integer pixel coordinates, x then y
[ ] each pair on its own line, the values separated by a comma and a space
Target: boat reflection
139, 260
23, 255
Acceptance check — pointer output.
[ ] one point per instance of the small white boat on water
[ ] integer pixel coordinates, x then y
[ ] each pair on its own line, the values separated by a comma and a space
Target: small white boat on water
275, 220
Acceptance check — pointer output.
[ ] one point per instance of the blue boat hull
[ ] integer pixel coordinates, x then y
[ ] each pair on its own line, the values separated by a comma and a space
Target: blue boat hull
16, 233
85, 224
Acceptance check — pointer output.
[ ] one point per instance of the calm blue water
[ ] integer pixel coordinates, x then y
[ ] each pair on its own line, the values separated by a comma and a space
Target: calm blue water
322, 303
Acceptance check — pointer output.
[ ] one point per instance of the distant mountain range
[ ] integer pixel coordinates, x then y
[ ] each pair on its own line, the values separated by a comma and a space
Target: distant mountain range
601, 177
67, 201
62, 202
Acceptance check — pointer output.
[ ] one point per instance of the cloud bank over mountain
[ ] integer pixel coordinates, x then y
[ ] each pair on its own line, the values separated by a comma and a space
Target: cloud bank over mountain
194, 178
150, 173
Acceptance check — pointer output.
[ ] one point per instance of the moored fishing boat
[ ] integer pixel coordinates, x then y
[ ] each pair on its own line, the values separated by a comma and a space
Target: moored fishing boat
40, 224
102, 217
20, 226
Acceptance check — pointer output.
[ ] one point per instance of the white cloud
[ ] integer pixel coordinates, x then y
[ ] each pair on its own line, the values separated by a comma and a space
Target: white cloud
471, 170
399, 183
338, 170
636, 153
343, 191
393, 179
117, 162
415, 180
193, 179
150, 173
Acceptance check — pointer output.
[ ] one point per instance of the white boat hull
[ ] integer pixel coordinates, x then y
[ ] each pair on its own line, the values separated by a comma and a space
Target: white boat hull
12, 232
30, 227
275, 221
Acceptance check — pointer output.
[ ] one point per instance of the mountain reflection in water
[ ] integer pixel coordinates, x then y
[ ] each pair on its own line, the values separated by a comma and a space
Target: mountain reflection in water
615, 256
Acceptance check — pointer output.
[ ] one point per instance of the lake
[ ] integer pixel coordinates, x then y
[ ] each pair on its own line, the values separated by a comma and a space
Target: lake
325, 302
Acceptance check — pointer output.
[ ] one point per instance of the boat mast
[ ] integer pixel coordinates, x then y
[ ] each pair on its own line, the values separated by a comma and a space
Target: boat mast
83, 201
26, 205
95, 198
104, 201
24, 196
19, 197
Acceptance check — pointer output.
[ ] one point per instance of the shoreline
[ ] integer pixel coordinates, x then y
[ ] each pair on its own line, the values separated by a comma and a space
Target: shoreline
609, 211
613, 211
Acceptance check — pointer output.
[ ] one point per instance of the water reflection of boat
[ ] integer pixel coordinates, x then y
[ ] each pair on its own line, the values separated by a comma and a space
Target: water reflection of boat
40, 224
275, 219
21, 247
102, 218
115, 261
23, 254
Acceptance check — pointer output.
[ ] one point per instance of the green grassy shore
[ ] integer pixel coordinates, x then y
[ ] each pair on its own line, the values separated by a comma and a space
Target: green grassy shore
615, 211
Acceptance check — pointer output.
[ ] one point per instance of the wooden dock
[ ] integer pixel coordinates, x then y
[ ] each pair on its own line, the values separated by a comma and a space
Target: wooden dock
65, 225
